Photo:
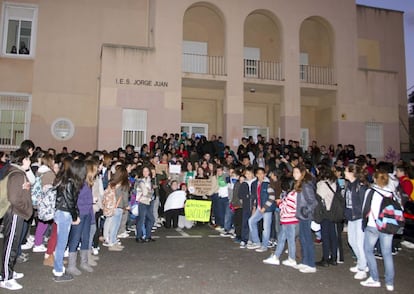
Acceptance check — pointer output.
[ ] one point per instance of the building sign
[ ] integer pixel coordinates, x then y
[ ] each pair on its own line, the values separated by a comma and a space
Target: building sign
141, 83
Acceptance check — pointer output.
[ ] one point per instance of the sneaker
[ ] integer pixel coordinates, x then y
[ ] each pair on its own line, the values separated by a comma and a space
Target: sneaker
389, 287
26, 255
116, 247
218, 228
308, 270
39, 248
31, 238
225, 234
22, 259
11, 285
360, 275
243, 245
66, 253
28, 245
290, 262
16, 276
95, 251
106, 244
253, 246
123, 235
370, 283
1, 236
261, 249
272, 259
63, 278
355, 269
301, 266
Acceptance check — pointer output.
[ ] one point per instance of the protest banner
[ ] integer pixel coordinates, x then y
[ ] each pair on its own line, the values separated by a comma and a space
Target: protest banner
160, 168
197, 210
199, 187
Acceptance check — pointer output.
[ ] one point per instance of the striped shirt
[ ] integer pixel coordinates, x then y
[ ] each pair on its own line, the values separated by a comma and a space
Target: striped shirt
288, 209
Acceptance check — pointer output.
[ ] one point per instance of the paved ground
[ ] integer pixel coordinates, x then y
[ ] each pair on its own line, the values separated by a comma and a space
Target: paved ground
198, 261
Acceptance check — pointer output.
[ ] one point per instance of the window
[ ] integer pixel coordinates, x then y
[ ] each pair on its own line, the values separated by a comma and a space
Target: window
251, 61
195, 128
14, 120
254, 131
304, 62
19, 29
195, 57
304, 138
374, 139
134, 127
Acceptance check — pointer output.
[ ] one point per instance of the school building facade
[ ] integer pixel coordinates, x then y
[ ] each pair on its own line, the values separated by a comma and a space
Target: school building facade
100, 74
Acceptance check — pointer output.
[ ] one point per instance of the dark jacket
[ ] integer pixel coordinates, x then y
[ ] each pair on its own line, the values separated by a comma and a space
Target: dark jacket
267, 195
67, 198
354, 199
306, 201
245, 195
20, 199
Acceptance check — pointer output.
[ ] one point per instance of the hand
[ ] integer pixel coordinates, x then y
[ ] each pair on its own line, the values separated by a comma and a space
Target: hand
26, 186
76, 222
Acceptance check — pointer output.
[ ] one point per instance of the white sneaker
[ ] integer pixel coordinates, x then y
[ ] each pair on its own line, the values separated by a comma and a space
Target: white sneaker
31, 238
123, 235
253, 246
272, 259
66, 253
11, 285
308, 270
28, 245
95, 251
371, 283
290, 262
360, 275
261, 249
301, 266
389, 287
243, 245
39, 248
16, 276
355, 269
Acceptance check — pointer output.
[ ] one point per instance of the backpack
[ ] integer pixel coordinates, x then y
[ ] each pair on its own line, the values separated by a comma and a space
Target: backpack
390, 217
109, 202
337, 212
37, 190
46, 203
4, 200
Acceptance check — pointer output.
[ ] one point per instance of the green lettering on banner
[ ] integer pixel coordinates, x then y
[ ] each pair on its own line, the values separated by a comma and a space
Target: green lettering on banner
197, 210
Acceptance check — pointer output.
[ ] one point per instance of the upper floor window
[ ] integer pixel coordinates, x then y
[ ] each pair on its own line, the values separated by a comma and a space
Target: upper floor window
19, 29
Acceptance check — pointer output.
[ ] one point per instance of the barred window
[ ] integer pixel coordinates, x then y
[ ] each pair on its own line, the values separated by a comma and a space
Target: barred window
374, 139
14, 120
134, 127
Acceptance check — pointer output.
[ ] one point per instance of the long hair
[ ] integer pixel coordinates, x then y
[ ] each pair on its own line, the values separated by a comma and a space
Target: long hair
359, 172
91, 171
305, 177
120, 177
326, 173
48, 160
75, 174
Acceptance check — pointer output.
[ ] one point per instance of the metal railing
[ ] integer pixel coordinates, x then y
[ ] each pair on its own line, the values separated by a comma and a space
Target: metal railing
264, 70
203, 64
315, 74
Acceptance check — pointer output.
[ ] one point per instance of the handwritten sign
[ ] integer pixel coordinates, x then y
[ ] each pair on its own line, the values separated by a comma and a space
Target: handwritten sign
197, 210
175, 169
160, 168
199, 187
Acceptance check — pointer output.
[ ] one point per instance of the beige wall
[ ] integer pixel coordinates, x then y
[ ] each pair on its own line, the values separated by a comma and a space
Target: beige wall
74, 75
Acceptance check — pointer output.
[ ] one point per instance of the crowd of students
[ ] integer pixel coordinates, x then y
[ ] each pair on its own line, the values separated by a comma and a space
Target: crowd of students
262, 196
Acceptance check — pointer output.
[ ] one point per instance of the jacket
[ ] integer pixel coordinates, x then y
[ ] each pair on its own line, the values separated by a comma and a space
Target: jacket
19, 197
306, 201
354, 199
245, 194
267, 195
67, 198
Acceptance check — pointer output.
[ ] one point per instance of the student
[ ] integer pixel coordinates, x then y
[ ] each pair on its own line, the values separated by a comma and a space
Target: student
305, 205
288, 222
263, 197
67, 212
245, 195
372, 235
20, 210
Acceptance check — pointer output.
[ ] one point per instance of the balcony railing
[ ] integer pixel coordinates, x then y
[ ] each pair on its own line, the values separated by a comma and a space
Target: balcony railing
315, 74
203, 64
264, 70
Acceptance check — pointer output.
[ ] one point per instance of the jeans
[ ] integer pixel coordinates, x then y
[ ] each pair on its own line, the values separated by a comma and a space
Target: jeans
214, 208
356, 241
122, 225
80, 233
111, 226
245, 231
63, 220
228, 218
145, 218
306, 241
329, 240
267, 222
286, 233
371, 237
